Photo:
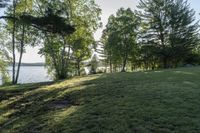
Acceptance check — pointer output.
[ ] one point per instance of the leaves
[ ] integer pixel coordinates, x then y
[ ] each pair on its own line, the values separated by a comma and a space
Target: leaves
170, 27
120, 36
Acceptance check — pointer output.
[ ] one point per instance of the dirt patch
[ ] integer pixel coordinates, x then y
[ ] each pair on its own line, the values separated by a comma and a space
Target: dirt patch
59, 104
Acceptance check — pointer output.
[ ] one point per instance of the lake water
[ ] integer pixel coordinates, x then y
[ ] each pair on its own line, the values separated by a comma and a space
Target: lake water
31, 74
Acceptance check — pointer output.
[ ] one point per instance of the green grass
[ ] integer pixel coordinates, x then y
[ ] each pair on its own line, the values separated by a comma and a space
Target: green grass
166, 101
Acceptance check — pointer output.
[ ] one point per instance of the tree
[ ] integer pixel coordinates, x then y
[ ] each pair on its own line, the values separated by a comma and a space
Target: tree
20, 32
56, 20
4, 54
23, 18
25, 34
12, 14
168, 26
120, 37
13, 40
3, 70
60, 50
81, 51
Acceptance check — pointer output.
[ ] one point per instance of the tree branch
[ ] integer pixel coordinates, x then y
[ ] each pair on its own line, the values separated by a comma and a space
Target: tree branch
6, 17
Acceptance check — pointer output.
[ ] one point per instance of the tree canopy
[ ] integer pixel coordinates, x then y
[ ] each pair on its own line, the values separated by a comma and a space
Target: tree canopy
169, 28
159, 34
120, 37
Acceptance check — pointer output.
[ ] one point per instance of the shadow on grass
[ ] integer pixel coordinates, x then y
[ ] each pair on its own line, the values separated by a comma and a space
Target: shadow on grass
7, 92
25, 106
110, 103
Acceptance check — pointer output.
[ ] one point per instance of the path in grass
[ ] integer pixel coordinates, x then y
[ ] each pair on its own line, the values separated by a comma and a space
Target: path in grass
144, 102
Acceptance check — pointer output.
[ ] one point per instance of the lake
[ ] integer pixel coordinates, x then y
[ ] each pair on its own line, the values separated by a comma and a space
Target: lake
31, 74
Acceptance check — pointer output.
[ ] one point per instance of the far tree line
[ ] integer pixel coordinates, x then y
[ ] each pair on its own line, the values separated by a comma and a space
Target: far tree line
64, 29
159, 34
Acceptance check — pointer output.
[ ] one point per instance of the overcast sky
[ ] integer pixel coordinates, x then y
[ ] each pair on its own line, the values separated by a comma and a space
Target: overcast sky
108, 7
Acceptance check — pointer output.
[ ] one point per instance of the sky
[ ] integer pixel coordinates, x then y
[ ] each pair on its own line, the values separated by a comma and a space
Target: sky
108, 7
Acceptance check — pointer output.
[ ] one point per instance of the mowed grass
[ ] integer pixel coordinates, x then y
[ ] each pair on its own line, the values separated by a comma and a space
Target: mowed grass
166, 101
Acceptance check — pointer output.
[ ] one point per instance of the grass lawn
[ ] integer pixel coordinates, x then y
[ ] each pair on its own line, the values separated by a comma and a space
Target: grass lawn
159, 102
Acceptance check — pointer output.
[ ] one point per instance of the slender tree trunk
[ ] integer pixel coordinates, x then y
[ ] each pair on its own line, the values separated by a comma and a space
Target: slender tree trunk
165, 62
13, 42
53, 56
124, 65
125, 55
124, 62
63, 72
132, 67
153, 65
21, 53
162, 39
111, 70
68, 59
78, 68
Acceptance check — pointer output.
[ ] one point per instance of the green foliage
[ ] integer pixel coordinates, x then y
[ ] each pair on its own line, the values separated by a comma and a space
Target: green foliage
64, 53
56, 20
4, 77
21, 33
81, 42
3, 67
169, 26
49, 23
120, 37
4, 55
168, 35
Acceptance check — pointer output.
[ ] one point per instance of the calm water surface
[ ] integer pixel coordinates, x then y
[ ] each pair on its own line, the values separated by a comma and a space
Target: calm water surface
31, 74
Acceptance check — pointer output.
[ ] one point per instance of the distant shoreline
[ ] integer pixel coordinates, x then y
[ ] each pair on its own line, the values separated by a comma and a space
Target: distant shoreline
30, 64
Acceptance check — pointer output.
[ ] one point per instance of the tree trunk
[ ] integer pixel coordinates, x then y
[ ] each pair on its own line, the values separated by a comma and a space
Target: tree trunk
111, 70
21, 53
67, 61
13, 42
78, 68
132, 67
165, 63
53, 56
124, 62
63, 72
126, 49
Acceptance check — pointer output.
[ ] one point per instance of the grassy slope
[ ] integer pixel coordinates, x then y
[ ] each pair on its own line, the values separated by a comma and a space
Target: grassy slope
162, 101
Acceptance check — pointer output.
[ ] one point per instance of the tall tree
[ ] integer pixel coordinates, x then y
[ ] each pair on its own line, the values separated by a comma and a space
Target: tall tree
23, 31
120, 36
168, 26
23, 17
20, 32
13, 40
59, 50
81, 51
4, 54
